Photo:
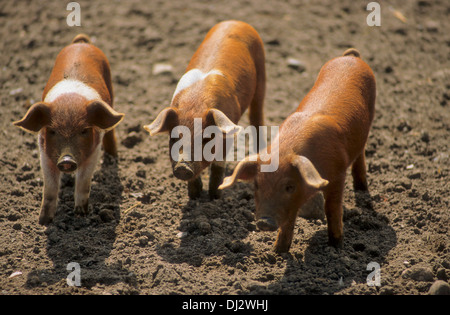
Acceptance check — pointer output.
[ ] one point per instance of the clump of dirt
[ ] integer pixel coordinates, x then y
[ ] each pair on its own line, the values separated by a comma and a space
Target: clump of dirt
144, 236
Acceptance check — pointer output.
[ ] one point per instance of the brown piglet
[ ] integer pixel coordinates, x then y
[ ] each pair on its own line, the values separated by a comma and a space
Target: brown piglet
316, 144
225, 76
73, 119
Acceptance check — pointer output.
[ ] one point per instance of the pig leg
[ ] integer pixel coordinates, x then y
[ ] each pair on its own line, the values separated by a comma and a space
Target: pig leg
109, 143
50, 192
359, 173
334, 212
216, 174
195, 187
256, 113
83, 183
313, 208
285, 233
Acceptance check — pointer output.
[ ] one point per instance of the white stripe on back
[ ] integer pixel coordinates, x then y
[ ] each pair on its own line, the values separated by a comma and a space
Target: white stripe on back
191, 77
71, 86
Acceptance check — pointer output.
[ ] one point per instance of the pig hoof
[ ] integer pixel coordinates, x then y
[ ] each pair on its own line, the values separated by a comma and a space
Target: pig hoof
360, 186
45, 220
82, 210
280, 249
194, 194
195, 188
335, 242
215, 194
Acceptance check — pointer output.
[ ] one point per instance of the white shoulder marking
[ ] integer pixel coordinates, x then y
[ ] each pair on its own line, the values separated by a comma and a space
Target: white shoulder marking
71, 86
191, 77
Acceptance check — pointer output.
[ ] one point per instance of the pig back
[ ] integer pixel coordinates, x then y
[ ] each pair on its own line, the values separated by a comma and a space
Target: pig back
86, 63
235, 49
332, 122
344, 96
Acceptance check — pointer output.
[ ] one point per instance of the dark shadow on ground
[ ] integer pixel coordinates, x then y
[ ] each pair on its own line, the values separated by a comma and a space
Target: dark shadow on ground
213, 228
87, 240
326, 270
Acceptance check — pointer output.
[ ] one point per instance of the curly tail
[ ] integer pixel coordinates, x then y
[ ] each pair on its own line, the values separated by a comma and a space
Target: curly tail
81, 38
352, 51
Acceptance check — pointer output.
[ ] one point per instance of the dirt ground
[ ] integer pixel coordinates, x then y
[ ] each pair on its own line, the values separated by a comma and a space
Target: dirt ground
144, 236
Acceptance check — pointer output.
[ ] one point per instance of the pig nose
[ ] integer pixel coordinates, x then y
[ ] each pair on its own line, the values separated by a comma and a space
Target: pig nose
183, 171
266, 224
67, 164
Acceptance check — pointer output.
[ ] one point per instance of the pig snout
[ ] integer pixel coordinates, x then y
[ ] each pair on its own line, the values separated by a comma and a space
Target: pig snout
266, 224
67, 164
182, 170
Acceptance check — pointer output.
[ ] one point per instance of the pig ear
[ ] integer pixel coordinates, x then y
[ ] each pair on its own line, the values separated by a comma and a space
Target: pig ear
164, 122
223, 122
103, 116
309, 172
36, 117
246, 170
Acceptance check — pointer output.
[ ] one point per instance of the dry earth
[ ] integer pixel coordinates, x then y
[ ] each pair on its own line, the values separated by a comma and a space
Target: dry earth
144, 236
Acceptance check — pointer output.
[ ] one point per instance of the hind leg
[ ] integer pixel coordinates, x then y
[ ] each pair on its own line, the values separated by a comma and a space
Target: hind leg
256, 111
359, 173
255, 114
195, 187
217, 171
109, 143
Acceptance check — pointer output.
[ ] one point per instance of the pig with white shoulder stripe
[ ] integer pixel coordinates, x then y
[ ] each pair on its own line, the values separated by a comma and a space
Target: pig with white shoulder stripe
72, 121
225, 76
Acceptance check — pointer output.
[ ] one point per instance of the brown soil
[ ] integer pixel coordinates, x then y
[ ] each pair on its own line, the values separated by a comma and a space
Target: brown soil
131, 242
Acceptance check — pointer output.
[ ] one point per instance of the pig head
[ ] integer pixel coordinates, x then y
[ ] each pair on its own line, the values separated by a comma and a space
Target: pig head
280, 194
188, 140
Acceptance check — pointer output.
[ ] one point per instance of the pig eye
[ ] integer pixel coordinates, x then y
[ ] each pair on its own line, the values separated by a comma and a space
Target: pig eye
289, 188
85, 131
51, 132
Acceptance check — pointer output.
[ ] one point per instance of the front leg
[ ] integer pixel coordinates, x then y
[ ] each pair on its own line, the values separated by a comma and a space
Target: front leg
50, 192
334, 212
195, 187
216, 174
286, 233
83, 183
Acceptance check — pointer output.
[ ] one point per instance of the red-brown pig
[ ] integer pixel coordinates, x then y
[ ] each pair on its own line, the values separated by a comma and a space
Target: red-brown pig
73, 119
225, 76
316, 145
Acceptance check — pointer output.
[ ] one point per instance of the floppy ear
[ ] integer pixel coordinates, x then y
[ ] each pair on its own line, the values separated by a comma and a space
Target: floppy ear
246, 170
309, 172
164, 122
103, 116
223, 122
36, 117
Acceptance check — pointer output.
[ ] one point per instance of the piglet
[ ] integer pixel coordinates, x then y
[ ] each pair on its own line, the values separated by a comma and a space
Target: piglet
73, 119
225, 76
315, 146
